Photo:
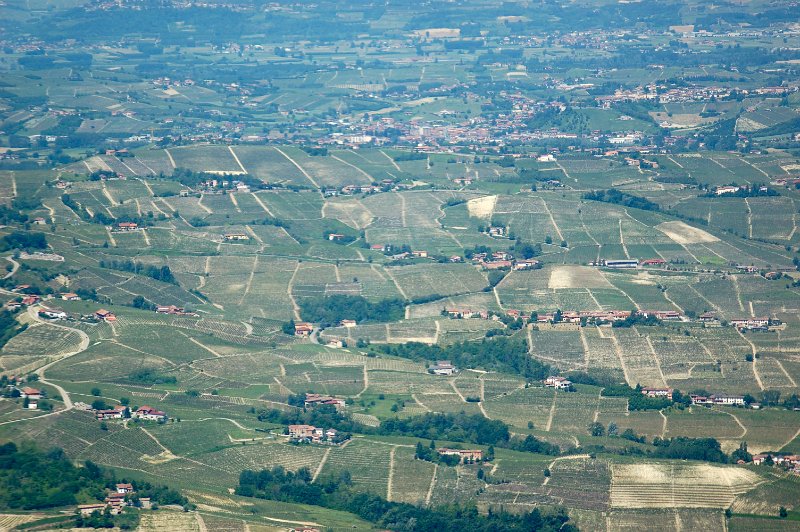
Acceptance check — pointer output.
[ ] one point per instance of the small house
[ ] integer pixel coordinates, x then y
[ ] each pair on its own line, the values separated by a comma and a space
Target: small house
559, 383
442, 367
303, 328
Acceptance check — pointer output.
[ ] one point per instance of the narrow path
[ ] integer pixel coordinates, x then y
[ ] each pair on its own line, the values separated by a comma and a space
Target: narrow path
618, 350
655, 359
433, 483
390, 160
736, 289
200, 204
736, 419
458, 392
295, 306
171, 160
796, 435
552, 411
399, 288
553, 220
146, 237
351, 165
250, 280
321, 464
111, 237
107, 194
749, 219
622, 241
302, 170
663, 425
754, 351
230, 148
780, 365
391, 474
14, 184
148, 187
14, 267
261, 203
207, 348
232, 197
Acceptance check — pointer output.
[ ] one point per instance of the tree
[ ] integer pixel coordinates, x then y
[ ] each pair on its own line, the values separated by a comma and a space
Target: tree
612, 429
96, 392
782, 513
597, 429
490, 453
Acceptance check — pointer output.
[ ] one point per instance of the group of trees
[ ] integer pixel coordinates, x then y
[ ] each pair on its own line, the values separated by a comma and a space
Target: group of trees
320, 416
337, 493
503, 354
330, 310
162, 273
24, 240
31, 479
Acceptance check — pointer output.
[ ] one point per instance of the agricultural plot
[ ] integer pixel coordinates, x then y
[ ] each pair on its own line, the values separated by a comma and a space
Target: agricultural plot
563, 348
657, 485
422, 280
522, 406
411, 478
212, 159
367, 462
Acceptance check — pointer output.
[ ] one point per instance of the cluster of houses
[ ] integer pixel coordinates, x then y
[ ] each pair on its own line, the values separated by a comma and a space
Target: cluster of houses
115, 501
174, 311
32, 396
349, 190
466, 456
315, 399
312, 434
790, 461
719, 399
145, 413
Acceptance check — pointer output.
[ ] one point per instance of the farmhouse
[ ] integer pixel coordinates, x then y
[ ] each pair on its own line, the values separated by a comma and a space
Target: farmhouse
421, 254
653, 262
54, 313
707, 317
663, 314
335, 237
750, 323
719, 191
105, 315
127, 226
301, 432
89, 509
230, 237
124, 488
312, 434
149, 414
31, 300
348, 323
728, 400
497, 264
314, 399
303, 328
661, 393
30, 393
70, 296
39, 221
467, 313
442, 367
466, 455
117, 412
559, 383
497, 231
717, 399
526, 264
621, 263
